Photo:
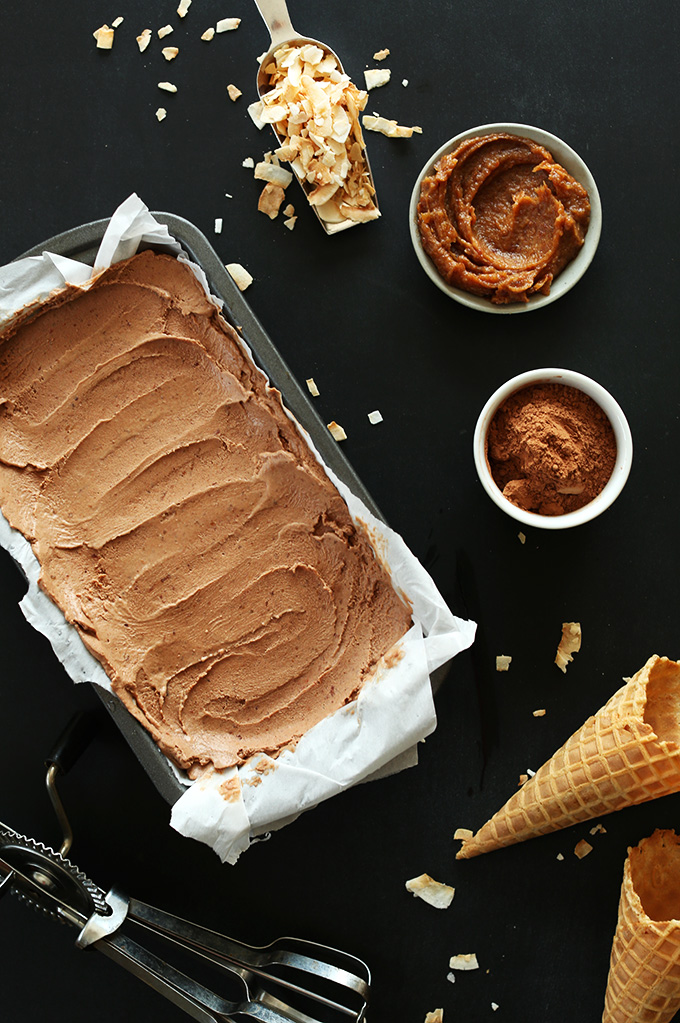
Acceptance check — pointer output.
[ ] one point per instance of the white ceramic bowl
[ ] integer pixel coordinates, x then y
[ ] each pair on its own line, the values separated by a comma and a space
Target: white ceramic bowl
624, 448
565, 280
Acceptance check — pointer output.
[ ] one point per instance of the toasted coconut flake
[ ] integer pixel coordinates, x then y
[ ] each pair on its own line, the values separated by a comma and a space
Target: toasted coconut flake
271, 172
208, 34
290, 222
104, 36
248, 162
117, 22
503, 662
404, 82
239, 275
143, 39
381, 54
451, 977
570, 644
531, 773
337, 431
311, 387
389, 128
255, 110
184, 6
161, 114
436, 1016
523, 778
582, 848
495, 1006
170, 52
598, 829
462, 834
270, 200
289, 210
539, 713
464, 961
521, 537
167, 87
234, 92
375, 77
165, 31
375, 417
227, 24
218, 225
559, 857
433, 892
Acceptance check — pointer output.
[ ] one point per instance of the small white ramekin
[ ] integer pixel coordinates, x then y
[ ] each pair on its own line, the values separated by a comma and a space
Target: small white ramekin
624, 447
572, 272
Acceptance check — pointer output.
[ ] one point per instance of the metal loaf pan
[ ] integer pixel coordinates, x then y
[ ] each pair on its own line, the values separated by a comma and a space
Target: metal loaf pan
81, 243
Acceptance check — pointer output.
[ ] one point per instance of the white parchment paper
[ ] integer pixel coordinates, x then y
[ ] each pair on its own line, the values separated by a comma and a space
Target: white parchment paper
376, 734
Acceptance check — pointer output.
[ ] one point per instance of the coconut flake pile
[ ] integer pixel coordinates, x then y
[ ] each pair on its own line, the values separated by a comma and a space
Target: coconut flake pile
315, 109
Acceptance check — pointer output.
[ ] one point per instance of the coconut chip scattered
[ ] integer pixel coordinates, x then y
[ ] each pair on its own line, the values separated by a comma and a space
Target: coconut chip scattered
539, 713
433, 892
208, 35
582, 848
167, 87
503, 662
161, 114
239, 275
462, 834
234, 92
375, 77
170, 52
314, 108
227, 25
104, 36
570, 644
312, 388
117, 22
437, 1016
381, 54
337, 431
218, 225
270, 200
375, 417
165, 31
465, 961
184, 6
143, 39
389, 128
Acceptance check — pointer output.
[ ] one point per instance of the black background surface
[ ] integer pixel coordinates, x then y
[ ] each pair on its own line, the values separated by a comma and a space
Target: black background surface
356, 312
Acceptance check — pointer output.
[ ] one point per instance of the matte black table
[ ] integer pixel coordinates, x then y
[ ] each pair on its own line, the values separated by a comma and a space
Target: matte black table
79, 133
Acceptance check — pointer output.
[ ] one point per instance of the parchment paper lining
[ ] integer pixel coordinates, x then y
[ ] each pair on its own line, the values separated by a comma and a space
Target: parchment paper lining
373, 735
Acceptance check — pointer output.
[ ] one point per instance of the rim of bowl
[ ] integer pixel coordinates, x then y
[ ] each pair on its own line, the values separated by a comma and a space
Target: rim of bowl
613, 411
572, 272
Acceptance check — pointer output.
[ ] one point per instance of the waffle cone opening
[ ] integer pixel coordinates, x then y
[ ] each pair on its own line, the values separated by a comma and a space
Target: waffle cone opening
655, 873
662, 709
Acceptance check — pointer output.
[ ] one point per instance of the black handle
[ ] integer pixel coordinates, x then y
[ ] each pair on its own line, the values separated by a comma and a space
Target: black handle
73, 741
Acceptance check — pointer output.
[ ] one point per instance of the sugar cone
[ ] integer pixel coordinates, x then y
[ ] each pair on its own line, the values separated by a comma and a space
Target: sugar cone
627, 753
644, 970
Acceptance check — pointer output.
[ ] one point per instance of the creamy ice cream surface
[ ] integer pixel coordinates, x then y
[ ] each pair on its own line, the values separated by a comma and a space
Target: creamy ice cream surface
181, 522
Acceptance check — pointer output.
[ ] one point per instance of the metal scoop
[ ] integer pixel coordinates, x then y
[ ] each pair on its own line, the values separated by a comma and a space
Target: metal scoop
277, 19
288, 981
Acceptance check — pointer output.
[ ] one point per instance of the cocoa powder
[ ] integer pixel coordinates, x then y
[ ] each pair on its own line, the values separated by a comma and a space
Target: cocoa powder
550, 448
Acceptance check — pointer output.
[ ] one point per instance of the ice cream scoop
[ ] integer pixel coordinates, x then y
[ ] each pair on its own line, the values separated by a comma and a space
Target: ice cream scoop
313, 109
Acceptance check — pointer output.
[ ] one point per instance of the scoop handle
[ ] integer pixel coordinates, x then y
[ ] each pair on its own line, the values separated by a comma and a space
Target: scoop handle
277, 19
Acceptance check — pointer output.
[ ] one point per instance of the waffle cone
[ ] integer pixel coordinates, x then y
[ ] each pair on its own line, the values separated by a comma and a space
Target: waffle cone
627, 753
644, 971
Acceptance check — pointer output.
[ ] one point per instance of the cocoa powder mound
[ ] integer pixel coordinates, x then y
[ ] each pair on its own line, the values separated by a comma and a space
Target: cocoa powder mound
550, 448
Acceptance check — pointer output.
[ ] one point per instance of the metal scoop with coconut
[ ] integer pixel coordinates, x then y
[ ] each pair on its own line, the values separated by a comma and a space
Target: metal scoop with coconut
313, 109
